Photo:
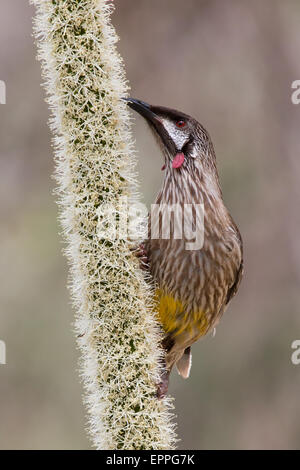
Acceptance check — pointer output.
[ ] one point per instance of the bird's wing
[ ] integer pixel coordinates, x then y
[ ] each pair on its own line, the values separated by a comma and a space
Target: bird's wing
234, 288
239, 274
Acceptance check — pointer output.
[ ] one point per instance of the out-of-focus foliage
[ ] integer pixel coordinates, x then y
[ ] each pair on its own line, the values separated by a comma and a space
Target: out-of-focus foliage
230, 64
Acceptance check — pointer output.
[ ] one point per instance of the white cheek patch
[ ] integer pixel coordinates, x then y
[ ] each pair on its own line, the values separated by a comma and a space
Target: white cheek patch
178, 136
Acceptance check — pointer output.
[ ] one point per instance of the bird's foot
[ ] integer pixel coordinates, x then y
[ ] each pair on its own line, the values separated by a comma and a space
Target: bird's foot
142, 255
162, 387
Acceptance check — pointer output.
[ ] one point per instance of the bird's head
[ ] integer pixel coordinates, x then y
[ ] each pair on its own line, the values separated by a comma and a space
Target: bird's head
183, 140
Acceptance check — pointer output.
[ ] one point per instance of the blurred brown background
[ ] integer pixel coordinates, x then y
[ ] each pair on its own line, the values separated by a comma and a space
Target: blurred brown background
230, 64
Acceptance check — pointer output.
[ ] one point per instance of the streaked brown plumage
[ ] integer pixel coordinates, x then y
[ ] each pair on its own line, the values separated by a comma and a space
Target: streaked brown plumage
195, 286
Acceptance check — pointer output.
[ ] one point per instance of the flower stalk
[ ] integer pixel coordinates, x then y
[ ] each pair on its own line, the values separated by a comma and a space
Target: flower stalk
117, 332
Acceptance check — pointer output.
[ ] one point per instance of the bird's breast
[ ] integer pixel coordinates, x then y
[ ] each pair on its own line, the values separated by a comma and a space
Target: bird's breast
192, 284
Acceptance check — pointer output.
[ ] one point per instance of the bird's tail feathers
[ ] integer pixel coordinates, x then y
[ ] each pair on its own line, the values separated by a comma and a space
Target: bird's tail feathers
184, 364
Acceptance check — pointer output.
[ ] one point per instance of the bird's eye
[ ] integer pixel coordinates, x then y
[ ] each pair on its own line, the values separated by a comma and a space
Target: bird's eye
180, 124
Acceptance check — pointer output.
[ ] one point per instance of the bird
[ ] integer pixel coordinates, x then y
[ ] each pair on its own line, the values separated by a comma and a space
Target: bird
193, 282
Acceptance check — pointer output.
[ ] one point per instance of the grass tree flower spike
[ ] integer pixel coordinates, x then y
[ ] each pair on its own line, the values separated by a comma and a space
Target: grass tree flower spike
117, 331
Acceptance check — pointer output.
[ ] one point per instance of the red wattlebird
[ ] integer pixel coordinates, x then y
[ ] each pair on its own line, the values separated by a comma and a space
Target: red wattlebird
194, 283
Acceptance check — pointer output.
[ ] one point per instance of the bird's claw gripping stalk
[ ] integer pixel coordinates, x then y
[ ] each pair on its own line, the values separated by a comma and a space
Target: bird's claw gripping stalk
141, 253
162, 387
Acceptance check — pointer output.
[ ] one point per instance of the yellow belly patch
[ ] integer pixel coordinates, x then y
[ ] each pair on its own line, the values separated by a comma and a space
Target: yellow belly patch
172, 314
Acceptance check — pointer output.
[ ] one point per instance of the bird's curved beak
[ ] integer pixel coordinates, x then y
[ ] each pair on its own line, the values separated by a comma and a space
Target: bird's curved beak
151, 114
144, 109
